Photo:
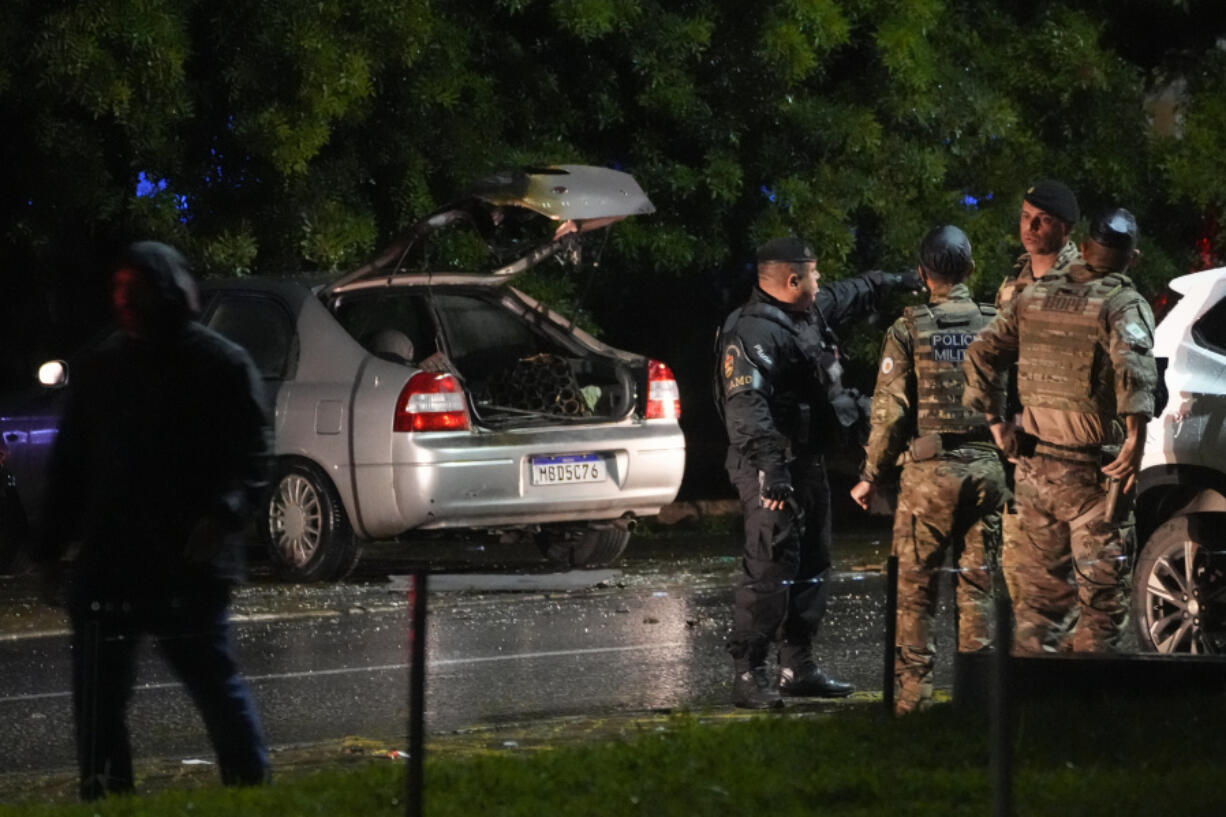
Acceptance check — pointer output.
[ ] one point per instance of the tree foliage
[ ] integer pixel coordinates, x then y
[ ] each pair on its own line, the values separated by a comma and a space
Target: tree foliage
274, 135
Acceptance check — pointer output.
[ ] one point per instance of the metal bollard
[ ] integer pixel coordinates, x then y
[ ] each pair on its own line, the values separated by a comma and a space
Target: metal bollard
1001, 716
891, 632
414, 776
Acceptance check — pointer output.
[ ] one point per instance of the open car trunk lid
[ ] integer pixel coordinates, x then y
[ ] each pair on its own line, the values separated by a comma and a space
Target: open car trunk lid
520, 364
578, 198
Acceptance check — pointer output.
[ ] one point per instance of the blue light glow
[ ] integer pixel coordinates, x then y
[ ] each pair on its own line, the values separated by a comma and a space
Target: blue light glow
147, 187
971, 202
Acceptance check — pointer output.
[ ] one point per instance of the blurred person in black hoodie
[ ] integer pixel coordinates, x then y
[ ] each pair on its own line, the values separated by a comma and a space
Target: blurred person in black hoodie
162, 451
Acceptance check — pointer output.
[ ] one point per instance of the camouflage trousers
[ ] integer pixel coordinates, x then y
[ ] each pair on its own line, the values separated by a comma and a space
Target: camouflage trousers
947, 507
1067, 570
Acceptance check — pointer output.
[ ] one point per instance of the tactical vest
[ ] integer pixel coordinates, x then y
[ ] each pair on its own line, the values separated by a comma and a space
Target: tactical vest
1022, 275
800, 391
940, 335
1061, 365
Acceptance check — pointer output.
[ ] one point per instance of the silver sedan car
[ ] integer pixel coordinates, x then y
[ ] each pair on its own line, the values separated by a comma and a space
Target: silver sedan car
423, 391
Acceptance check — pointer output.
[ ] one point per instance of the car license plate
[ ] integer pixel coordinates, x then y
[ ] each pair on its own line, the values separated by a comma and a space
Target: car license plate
567, 469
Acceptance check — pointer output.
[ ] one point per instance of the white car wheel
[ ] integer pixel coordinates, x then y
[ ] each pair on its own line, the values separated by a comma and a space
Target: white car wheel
1179, 596
309, 537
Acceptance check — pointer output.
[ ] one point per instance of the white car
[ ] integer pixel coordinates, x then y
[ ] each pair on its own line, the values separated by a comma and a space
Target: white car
1179, 582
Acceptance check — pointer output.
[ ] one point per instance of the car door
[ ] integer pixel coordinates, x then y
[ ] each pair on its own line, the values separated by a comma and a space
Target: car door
262, 325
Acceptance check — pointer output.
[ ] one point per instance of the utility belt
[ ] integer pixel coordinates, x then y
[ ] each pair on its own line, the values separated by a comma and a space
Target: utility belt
936, 443
1028, 445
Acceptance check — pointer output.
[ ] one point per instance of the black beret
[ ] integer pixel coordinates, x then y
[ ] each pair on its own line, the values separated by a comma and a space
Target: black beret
1116, 229
789, 249
1055, 198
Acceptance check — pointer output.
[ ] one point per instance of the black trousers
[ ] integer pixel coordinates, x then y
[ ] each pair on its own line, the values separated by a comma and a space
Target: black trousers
785, 565
192, 629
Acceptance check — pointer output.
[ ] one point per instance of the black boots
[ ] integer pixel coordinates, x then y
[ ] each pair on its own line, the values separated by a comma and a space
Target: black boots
807, 681
753, 690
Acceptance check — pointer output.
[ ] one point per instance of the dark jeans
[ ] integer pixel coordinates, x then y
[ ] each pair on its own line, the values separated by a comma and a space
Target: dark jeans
193, 631
785, 565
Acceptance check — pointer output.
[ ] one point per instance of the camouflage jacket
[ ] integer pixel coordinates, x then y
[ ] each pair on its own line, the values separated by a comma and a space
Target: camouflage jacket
1021, 276
896, 398
1123, 347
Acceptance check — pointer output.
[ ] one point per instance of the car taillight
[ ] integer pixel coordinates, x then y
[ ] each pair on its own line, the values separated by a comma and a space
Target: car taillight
663, 396
431, 401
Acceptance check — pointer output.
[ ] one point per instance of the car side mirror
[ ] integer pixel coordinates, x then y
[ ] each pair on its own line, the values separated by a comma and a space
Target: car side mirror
53, 374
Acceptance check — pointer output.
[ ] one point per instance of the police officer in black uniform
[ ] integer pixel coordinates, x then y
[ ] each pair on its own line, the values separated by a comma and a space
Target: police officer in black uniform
779, 389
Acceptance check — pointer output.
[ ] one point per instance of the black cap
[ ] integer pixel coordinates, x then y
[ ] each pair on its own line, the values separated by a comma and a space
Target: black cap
790, 249
1055, 198
1116, 229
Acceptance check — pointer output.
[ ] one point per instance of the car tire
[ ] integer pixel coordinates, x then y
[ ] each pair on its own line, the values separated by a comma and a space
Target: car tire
584, 546
1179, 587
309, 537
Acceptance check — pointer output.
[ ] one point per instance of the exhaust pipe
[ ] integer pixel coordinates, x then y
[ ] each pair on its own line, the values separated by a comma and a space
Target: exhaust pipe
627, 522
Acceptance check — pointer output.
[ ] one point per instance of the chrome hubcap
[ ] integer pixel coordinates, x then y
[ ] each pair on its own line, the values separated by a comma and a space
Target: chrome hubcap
295, 520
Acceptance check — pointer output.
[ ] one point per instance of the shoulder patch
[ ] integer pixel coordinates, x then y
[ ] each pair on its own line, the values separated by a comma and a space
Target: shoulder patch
730, 356
1136, 335
739, 372
887, 364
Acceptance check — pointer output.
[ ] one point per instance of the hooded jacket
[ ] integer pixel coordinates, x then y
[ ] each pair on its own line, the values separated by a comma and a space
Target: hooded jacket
159, 433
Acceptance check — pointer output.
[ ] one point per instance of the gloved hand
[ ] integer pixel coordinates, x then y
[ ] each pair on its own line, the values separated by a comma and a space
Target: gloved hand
780, 491
776, 490
908, 280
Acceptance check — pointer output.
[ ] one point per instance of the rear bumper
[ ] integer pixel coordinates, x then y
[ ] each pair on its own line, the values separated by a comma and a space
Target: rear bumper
484, 479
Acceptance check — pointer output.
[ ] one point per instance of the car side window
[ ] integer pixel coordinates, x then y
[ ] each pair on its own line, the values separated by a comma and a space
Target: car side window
261, 326
1210, 329
368, 317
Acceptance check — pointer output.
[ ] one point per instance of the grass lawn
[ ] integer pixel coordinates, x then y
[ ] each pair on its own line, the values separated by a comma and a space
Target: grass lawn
1111, 757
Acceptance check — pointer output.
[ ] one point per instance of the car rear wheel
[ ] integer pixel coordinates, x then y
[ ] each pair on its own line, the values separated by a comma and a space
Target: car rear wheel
309, 537
1179, 588
582, 546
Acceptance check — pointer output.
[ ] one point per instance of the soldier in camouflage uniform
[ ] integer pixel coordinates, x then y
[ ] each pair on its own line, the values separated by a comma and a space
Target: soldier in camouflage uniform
953, 483
1049, 211
1083, 342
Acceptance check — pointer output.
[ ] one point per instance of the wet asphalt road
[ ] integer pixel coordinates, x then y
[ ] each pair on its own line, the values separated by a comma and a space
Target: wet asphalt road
330, 662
